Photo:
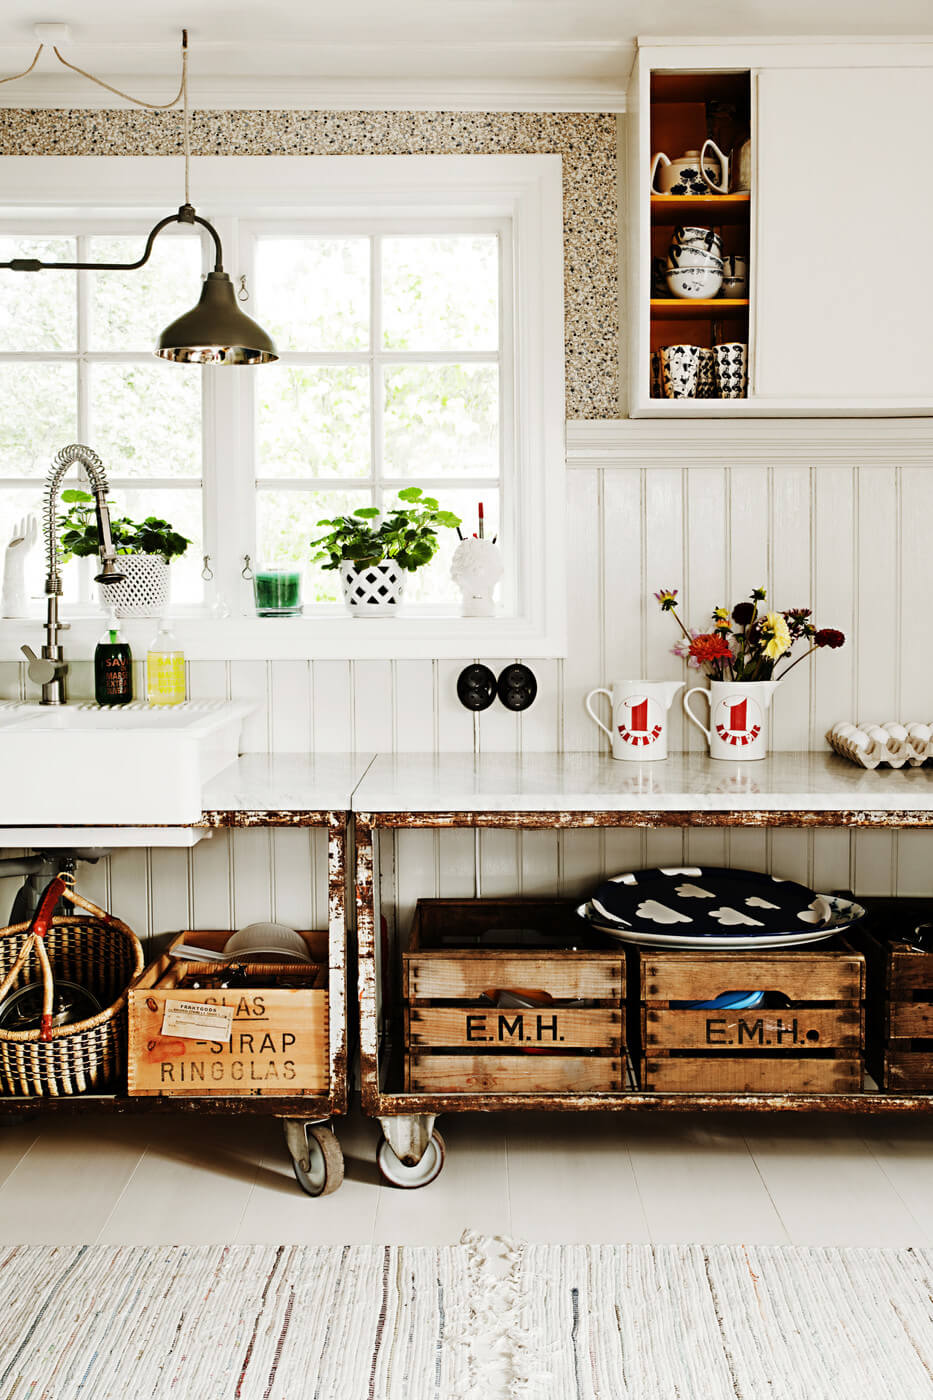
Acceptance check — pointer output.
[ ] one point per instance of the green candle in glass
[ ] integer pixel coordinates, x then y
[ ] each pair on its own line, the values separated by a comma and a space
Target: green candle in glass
277, 591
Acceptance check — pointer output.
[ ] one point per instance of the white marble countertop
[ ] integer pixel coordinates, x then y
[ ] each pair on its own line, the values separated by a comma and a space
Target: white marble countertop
541, 782
287, 782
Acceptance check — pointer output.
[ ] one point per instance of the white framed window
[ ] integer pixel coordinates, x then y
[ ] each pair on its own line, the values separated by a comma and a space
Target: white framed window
416, 303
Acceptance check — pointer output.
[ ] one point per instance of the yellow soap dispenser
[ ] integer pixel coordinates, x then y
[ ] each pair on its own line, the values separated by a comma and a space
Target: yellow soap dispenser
165, 668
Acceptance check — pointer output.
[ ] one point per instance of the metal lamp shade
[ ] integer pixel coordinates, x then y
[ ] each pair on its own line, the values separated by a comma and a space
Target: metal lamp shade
216, 331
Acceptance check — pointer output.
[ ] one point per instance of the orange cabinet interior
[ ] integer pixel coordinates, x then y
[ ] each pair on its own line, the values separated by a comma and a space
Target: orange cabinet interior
682, 116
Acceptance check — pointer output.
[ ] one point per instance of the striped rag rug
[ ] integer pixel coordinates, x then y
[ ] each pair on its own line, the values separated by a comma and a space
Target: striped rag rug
484, 1319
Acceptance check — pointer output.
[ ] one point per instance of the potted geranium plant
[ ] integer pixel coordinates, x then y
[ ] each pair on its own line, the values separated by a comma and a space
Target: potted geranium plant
146, 549
373, 550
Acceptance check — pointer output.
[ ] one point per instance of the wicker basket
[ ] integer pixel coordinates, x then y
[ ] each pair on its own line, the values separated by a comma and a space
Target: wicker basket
91, 948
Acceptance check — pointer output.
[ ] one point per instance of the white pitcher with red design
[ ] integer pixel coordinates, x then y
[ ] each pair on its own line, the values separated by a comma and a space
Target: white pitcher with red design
639, 717
738, 717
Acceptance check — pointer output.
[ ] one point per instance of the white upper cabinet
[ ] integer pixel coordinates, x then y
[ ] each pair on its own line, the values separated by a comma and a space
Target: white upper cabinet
834, 222
844, 228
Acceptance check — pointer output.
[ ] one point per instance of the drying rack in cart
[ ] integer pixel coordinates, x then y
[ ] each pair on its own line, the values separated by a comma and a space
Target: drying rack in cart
578, 792
283, 790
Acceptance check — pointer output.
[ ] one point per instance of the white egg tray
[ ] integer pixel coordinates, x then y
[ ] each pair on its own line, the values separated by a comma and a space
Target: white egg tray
891, 743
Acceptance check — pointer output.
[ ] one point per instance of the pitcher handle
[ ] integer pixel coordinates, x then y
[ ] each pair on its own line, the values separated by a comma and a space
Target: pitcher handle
655, 162
697, 690
723, 186
600, 690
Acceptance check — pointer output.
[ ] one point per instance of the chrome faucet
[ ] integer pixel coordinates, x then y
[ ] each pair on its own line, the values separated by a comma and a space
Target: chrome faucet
49, 669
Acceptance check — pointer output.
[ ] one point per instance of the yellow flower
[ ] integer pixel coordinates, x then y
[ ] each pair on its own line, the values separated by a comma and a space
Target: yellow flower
778, 633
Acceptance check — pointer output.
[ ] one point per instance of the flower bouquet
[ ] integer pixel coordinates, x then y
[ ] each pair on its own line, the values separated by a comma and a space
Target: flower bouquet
747, 644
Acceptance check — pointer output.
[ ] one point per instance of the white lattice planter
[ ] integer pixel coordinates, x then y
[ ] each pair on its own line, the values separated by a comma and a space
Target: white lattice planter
374, 591
144, 590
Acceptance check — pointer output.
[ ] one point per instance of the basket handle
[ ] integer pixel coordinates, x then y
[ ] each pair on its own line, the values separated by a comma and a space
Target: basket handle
72, 895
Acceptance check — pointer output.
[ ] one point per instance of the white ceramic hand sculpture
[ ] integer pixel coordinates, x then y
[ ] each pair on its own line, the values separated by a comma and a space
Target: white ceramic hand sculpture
476, 568
23, 536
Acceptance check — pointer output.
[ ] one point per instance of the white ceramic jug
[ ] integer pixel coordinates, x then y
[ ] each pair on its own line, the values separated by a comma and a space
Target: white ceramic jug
738, 170
738, 717
639, 717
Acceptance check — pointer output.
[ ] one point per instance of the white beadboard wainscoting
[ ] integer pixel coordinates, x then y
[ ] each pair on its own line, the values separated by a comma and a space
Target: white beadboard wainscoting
835, 516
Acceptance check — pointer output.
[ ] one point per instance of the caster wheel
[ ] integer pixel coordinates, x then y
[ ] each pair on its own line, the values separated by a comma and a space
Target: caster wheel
398, 1173
322, 1171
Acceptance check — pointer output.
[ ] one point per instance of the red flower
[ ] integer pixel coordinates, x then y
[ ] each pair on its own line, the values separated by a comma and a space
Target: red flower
710, 647
828, 637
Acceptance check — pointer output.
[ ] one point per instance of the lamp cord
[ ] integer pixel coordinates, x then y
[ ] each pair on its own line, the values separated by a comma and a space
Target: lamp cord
26, 71
137, 101
180, 96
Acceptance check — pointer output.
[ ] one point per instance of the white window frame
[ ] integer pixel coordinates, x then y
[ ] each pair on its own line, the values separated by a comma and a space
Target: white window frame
522, 193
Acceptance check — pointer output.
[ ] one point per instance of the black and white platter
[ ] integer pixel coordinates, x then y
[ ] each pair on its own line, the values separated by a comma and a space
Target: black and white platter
694, 906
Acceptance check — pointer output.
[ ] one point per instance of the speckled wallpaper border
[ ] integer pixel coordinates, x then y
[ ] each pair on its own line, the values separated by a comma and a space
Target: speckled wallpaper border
585, 142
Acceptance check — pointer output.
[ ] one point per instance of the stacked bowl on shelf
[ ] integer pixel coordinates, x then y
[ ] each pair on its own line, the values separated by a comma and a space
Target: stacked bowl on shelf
696, 269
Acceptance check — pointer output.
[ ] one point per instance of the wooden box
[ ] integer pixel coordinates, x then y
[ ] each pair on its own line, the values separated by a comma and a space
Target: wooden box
808, 1037
900, 997
278, 1037
456, 1042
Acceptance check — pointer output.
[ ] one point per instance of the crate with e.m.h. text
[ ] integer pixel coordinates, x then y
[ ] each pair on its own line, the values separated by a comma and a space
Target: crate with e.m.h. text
806, 1035
488, 1011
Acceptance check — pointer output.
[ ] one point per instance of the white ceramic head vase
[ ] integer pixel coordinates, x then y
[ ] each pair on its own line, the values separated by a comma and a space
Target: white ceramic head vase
476, 569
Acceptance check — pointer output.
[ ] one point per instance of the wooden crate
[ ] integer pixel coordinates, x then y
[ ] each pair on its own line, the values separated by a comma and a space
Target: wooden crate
278, 1044
456, 1043
900, 996
814, 1044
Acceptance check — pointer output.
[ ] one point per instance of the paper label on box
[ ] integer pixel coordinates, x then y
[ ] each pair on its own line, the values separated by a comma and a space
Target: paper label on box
194, 1020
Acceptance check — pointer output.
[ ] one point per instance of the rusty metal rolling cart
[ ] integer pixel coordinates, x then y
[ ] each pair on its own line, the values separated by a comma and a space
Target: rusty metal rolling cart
583, 791
271, 792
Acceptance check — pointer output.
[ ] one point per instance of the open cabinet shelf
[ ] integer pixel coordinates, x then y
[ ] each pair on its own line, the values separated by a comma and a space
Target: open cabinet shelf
677, 208
683, 110
697, 308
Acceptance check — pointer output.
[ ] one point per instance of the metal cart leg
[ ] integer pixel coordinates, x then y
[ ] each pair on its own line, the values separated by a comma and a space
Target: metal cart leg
316, 1155
411, 1153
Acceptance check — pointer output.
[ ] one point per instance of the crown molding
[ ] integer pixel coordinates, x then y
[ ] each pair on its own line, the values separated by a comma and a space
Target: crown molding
628, 442
592, 95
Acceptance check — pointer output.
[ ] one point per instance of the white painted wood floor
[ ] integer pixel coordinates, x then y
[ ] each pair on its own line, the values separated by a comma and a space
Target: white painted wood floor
712, 1178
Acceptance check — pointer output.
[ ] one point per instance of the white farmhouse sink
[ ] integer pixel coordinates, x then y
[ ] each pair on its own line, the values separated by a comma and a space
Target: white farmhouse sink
133, 765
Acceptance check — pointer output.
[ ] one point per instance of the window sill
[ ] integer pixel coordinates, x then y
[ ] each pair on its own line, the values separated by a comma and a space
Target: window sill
204, 638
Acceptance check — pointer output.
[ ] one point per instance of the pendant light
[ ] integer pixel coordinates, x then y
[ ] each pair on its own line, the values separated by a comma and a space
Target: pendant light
215, 331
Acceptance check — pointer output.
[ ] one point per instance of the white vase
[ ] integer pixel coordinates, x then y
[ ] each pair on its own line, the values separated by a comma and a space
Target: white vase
738, 717
144, 590
373, 591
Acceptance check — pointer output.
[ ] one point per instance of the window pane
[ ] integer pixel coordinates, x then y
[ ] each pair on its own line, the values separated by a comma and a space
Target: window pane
288, 522
182, 509
432, 586
440, 293
146, 419
129, 310
312, 421
313, 293
441, 420
38, 309
38, 416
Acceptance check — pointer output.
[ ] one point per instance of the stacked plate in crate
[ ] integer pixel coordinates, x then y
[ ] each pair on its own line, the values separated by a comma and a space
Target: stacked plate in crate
710, 907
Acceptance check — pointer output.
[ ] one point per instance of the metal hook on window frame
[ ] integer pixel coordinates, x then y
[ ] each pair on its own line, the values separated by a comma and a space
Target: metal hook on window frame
207, 573
243, 290
247, 569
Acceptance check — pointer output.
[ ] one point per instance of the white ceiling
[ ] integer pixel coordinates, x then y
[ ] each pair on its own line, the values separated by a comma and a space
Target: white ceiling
581, 46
